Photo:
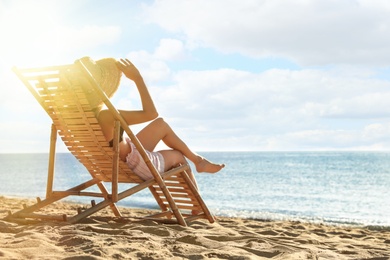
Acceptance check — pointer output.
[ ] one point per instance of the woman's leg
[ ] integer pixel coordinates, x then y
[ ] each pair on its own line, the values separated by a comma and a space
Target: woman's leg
174, 158
158, 130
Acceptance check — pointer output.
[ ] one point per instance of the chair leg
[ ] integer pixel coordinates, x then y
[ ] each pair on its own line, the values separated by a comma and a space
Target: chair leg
198, 197
28, 212
113, 206
52, 155
115, 163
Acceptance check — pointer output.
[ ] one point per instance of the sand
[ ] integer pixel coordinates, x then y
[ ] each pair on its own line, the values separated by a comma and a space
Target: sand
102, 236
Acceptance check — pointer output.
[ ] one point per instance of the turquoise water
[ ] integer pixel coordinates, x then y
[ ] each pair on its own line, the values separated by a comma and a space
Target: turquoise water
332, 187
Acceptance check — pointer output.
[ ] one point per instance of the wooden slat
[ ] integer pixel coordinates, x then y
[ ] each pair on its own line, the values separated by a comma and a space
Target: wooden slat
101, 139
186, 207
77, 115
190, 197
182, 190
78, 150
45, 70
78, 132
174, 184
181, 201
82, 128
79, 122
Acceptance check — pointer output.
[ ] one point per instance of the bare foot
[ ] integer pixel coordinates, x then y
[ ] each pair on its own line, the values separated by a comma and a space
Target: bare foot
204, 165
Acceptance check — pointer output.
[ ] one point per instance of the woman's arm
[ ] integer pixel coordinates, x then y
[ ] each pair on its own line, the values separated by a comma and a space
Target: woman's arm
149, 111
132, 117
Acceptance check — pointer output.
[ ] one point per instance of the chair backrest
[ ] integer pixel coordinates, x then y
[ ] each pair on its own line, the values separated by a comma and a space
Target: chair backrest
62, 91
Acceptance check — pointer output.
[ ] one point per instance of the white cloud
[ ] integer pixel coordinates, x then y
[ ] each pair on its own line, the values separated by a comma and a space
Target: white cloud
274, 109
154, 65
371, 137
88, 36
377, 132
307, 92
308, 32
152, 68
277, 109
170, 49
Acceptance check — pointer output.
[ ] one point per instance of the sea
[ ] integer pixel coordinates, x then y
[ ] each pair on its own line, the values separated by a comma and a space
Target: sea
339, 188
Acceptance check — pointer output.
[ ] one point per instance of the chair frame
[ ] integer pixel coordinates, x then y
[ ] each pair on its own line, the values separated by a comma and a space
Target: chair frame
167, 188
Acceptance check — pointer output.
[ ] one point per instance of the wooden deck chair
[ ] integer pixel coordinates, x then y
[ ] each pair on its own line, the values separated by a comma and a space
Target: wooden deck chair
61, 91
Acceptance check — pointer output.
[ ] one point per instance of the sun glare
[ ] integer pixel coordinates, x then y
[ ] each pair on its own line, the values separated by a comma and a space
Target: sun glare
28, 32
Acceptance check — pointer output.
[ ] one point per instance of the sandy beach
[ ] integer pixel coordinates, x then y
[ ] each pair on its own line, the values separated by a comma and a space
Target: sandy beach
102, 236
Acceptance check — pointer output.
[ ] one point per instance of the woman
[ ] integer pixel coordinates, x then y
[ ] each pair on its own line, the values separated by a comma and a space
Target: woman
158, 130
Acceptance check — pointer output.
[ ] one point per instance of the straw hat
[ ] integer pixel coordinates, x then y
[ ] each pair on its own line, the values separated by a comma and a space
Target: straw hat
106, 74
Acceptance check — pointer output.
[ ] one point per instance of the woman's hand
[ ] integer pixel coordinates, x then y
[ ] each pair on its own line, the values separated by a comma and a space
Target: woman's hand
129, 69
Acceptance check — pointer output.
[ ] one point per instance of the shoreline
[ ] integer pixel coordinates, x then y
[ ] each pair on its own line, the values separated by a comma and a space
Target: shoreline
101, 236
267, 217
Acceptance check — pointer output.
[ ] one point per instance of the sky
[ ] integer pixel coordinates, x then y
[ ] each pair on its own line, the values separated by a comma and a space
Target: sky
249, 75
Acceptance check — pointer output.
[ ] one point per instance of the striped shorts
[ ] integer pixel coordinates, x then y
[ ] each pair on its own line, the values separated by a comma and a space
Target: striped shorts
137, 164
